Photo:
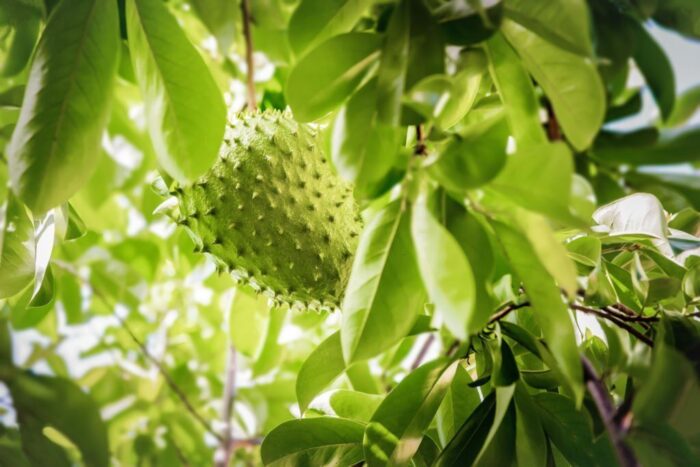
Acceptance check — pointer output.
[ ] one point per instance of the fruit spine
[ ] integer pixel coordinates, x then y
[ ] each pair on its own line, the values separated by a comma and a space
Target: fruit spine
273, 213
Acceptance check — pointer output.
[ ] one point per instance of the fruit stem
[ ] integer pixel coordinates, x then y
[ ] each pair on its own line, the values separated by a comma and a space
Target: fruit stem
245, 9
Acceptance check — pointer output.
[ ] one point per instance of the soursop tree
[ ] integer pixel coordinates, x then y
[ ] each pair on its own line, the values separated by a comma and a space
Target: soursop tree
348, 232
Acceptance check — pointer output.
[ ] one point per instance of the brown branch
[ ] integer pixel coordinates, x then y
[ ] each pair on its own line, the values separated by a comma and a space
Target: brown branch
606, 410
245, 10
423, 351
421, 149
229, 398
614, 320
502, 313
553, 130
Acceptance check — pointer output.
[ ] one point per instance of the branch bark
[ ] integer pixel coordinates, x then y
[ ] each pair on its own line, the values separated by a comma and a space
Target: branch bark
604, 405
245, 10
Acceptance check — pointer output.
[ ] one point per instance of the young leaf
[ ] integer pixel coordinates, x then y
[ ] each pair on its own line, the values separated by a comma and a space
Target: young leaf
314, 21
16, 248
354, 405
185, 110
571, 82
446, 273
394, 433
44, 401
314, 441
516, 92
312, 90
55, 145
384, 294
551, 312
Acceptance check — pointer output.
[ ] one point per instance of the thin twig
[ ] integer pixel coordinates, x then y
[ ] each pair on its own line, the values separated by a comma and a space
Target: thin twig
421, 149
553, 130
615, 320
228, 444
601, 398
245, 10
423, 351
169, 380
502, 313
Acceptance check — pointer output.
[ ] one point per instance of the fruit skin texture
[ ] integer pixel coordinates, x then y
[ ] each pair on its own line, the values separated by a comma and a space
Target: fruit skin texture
273, 213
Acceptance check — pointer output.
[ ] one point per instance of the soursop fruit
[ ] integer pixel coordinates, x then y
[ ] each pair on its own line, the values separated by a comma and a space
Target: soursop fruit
273, 213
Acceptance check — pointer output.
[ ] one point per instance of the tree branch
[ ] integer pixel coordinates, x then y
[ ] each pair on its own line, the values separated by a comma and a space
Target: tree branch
245, 10
505, 311
229, 398
600, 396
423, 351
615, 320
420, 150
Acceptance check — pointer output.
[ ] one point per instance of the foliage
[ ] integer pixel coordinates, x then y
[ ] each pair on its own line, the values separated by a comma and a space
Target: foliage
525, 286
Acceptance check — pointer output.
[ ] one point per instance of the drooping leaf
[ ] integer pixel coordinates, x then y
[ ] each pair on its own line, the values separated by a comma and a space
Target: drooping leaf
66, 103
384, 294
570, 81
184, 107
312, 91
17, 248
320, 369
531, 443
686, 105
647, 147
394, 433
314, 21
459, 402
551, 312
681, 15
446, 272
516, 92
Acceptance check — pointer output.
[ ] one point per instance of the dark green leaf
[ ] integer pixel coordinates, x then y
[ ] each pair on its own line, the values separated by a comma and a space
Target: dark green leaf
314, 441
66, 103
394, 433
681, 15
459, 402
671, 148
568, 428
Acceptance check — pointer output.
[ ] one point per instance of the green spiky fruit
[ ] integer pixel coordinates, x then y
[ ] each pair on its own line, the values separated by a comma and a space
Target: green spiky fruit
273, 212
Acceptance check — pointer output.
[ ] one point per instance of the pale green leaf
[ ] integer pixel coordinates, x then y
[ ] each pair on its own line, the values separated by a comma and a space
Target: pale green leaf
354, 405
185, 110
66, 103
384, 294
16, 247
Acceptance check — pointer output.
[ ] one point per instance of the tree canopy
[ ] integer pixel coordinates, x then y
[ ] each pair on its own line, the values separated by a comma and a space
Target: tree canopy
347, 232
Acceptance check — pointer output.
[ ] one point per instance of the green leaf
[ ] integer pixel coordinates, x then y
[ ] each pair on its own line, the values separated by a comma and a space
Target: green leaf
43, 401
319, 370
25, 23
570, 81
551, 312
473, 157
312, 90
394, 433
66, 103
185, 110
384, 294
354, 405
446, 273
314, 21
564, 23
363, 149
568, 428
497, 449
314, 441
686, 105
672, 147
459, 402
412, 50
585, 250
656, 68
464, 447
221, 17
516, 92
16, 248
